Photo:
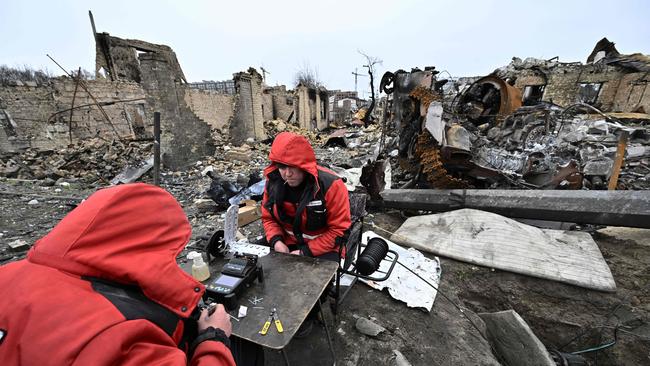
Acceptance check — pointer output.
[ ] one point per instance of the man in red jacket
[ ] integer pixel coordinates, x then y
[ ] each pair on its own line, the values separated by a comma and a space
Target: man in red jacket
103, 288
305, 209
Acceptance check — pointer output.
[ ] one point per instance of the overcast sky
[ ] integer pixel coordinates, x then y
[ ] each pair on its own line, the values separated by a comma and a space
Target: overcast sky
214, 39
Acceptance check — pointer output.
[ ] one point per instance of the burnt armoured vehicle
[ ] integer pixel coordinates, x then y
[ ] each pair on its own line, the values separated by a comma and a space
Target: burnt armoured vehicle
482, 137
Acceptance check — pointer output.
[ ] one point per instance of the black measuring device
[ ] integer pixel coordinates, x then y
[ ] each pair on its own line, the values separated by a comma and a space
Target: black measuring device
237, 274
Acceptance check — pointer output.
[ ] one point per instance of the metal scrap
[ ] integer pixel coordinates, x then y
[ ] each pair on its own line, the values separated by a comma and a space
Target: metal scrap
486, 139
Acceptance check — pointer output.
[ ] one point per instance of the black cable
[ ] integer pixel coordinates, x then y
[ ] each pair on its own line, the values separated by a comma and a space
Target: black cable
451, 301
618, 328
600, 347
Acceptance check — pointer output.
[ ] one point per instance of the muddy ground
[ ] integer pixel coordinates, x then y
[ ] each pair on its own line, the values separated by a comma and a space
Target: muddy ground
564, 317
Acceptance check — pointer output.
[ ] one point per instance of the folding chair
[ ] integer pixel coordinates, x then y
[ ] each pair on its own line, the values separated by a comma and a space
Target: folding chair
352, 245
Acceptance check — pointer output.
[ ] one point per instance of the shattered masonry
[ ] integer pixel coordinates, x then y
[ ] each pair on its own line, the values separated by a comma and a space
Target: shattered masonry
135, 78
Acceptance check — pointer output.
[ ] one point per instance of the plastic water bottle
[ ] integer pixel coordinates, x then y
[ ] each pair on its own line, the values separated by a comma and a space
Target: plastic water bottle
200, 270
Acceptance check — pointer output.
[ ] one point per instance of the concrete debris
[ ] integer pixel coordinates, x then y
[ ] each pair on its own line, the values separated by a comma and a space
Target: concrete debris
18, 245
205, 205
640, 236
617, 208
514, 340
33, 202
494, 241
89, 161
400, 359
273, 127
368, 327
238, 154
133, 173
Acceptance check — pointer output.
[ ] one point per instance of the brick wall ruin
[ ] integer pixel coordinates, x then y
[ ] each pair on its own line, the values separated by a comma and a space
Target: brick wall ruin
117, 58
283, 102
39, 116
212, 107
267, 107
248, 120
135, 78
311, 107
184, 136
611, 83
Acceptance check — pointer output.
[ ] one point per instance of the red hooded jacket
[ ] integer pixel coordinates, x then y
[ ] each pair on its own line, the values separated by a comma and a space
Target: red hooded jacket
129, 234
325, 215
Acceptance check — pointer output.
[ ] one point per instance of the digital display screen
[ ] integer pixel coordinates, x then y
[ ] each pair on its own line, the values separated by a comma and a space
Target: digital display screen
227, 281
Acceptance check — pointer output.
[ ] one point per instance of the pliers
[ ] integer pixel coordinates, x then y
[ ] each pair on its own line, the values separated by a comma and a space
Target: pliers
273, 316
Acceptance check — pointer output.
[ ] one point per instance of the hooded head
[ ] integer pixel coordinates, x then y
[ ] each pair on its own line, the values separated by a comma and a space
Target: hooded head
129, 234
294, 150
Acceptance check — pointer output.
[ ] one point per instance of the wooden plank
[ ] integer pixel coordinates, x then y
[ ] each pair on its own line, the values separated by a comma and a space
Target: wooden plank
495, 241
618, 161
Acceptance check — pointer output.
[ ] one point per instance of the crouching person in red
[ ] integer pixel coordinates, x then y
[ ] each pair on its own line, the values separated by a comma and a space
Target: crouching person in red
305, 209
103, 288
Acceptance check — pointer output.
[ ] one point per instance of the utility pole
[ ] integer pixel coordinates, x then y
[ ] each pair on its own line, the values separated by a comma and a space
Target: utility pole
356, 76
264, 72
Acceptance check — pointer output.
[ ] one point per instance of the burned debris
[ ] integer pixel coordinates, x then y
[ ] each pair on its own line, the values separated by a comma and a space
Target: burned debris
493, 134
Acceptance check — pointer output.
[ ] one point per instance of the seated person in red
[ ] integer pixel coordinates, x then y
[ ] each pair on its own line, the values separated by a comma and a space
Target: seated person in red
306, 209
103, 288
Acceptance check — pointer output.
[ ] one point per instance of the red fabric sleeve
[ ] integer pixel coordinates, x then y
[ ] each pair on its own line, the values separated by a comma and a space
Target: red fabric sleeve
140, 342
271, 227
338, 219
210, 353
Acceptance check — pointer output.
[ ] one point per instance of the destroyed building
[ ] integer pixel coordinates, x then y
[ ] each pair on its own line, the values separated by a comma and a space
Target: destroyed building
608, 81
312, 111
342, 104
133, 80
517, 128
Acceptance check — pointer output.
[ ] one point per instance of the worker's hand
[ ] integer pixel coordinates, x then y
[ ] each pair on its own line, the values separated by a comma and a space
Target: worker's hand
296, 252
219, 319
281, 247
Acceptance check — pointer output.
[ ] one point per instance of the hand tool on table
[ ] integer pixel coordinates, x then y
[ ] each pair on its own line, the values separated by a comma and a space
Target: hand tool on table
272, 317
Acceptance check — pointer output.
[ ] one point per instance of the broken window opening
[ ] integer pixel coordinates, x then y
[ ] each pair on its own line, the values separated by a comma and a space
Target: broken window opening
533, 94
588, 92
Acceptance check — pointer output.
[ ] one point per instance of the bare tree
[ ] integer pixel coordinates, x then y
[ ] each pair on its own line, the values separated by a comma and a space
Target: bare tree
25, 73
370, 65
307, 76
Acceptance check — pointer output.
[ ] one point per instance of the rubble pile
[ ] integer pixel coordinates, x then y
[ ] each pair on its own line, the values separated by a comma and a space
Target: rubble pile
91, 161
274, 127
490, 141
545, 146
349, 147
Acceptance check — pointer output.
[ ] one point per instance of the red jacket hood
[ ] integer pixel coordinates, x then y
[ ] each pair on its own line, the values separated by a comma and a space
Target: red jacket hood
292, 149
130, 234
